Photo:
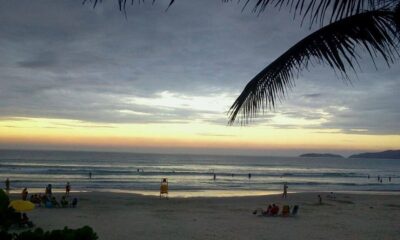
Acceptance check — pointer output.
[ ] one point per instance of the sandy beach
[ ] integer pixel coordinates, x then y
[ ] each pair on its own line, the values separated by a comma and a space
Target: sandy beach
127, 216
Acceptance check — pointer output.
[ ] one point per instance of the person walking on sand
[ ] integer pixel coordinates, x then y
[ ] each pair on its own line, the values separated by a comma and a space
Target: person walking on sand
215, 176
249, 175
7, 185
90, 175
67, 189
285, 187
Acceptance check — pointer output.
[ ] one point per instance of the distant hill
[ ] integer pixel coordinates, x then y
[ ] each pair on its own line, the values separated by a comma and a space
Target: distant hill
390, 154
321, 155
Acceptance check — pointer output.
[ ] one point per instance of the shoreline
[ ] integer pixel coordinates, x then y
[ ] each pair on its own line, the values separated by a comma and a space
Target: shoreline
206, 193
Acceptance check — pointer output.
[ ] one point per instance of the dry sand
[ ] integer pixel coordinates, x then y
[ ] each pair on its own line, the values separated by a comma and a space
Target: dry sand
128, 216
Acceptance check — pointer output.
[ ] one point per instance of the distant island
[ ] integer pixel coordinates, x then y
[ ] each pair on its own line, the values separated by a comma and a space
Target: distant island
390, 154
321, 155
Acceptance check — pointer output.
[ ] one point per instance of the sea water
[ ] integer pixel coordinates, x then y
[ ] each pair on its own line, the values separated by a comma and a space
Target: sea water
194, 174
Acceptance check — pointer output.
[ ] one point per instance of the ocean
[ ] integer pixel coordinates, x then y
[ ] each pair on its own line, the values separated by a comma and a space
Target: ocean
192, 175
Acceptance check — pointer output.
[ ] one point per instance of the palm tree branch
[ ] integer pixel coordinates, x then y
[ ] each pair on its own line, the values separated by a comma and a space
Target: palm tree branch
334, 45
316, 10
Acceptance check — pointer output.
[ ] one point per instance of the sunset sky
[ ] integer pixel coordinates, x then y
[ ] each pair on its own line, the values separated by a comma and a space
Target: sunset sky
74, 77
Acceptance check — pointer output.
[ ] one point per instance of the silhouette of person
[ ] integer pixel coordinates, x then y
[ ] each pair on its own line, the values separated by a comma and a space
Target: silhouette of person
67, 189
7, 185
24, 194
285, 187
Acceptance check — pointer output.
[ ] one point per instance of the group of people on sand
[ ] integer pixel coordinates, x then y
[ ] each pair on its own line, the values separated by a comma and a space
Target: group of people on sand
274, 210
48, 199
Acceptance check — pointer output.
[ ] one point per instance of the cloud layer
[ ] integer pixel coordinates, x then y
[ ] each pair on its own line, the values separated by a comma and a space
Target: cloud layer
64, 60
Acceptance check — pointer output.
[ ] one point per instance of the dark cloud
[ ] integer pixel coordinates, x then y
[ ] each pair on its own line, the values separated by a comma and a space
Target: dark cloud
64, 60
312, 95
42, 60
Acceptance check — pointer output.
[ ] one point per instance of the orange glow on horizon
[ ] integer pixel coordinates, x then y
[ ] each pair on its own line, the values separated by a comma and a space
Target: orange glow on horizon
61, 132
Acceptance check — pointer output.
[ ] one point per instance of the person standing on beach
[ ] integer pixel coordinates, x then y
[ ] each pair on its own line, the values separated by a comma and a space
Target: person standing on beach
390, 179
285, 187
90, 175
249, 175
48, 190
319, 200
215, 176
7, 185
67, 189
24, 194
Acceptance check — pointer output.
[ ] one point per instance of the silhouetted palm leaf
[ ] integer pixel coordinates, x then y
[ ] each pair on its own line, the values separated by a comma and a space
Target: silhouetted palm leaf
122, 3
334, 45
316, 10
397, 17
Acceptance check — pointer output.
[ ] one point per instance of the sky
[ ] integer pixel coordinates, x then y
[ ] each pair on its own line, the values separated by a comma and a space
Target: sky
77, 78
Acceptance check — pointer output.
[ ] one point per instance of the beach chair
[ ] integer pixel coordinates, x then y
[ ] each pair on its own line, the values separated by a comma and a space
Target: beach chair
285, 211
275, 211
295, 210
164, 188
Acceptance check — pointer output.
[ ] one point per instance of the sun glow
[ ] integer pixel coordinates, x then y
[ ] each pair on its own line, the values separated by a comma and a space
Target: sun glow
81, 135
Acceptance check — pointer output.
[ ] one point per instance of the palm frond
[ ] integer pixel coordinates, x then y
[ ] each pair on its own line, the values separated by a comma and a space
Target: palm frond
317, 10
122, 3
397, 17
334, 45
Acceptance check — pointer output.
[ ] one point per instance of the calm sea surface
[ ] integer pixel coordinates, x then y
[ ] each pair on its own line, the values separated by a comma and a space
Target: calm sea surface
194, 173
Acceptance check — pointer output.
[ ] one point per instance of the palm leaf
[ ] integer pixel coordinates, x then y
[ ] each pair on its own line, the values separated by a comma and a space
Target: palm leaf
316, 10
122, 3
397, 17
334, 45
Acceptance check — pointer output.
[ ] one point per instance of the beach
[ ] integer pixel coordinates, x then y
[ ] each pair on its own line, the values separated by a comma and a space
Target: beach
117, 216
119, 200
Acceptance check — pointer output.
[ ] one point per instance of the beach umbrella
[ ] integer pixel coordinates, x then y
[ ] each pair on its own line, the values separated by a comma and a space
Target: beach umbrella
22, 206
